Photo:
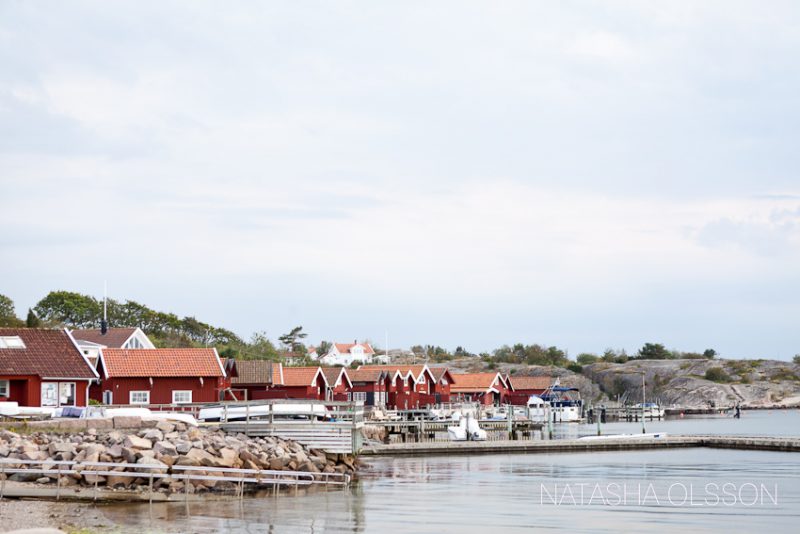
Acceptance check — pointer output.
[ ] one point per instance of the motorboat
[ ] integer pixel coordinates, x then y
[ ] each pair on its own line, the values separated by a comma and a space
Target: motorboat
468, 429
538, 410
648, 410
565, 403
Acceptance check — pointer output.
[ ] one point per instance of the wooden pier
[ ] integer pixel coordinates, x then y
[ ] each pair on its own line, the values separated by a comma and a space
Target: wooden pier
784, 444
340, 431
432, 431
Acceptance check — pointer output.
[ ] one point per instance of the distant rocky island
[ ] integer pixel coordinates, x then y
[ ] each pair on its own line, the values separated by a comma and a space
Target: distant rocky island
688, 383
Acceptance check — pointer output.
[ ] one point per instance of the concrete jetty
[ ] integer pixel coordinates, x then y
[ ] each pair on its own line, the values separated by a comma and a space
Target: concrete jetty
788, 444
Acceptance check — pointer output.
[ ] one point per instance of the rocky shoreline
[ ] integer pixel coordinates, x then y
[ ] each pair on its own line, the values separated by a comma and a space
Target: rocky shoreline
130, 440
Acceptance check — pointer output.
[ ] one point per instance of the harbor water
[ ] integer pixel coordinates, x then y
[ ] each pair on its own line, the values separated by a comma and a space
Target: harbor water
698, 490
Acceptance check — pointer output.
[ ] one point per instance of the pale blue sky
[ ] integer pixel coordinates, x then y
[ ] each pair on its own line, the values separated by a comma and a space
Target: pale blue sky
582, 174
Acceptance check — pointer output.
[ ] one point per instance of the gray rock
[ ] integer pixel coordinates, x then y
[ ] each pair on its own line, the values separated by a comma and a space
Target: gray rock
135, 442
127, 421
165, 447
165, 427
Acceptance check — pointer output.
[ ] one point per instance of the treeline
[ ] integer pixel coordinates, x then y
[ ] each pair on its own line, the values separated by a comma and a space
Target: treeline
75, 310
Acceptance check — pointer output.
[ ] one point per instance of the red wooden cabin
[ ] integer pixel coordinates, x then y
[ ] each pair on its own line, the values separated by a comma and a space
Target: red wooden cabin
485, 388
41, 367
369, 386
525, 386
339, 384
159, 376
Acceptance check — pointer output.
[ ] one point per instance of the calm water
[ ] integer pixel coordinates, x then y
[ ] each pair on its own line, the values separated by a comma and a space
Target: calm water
698, 490
752, 423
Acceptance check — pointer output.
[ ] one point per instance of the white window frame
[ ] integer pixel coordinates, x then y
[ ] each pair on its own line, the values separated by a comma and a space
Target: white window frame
74, 393
359, 396
53, 386
176, 401
11, 342
5, 388
143, 391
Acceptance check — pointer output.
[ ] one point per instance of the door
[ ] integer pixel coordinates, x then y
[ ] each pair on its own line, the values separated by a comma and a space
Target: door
108, 397
66, 394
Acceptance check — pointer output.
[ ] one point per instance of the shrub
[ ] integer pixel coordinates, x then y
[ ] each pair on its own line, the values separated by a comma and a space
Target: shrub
717, 374
575, 368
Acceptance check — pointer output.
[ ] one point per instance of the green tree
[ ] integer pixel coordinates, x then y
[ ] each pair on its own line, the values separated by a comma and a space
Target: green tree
709, 354
70, 309
8, 317
717, 374
31, 321
654, 351
796, 359
324, 347
586, 358
292, 340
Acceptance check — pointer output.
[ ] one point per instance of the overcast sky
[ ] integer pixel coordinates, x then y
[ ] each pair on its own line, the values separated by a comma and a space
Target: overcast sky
579, 174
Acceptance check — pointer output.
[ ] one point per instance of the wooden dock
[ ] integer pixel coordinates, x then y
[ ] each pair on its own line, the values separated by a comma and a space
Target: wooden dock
340, 432
584, 445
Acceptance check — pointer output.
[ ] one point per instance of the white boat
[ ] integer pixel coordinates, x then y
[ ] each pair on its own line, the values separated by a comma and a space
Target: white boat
565, 403
649, 410
538, 409
13, 409
467, 429
458, 433
263, 411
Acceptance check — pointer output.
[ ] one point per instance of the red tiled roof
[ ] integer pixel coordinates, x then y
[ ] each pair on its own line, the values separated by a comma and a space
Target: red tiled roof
332, 374
114, 338
300, 376
531, 382
439, 372
415, 370
161, 362
258, 372
47, 354
366, 375
469, 382
345, 347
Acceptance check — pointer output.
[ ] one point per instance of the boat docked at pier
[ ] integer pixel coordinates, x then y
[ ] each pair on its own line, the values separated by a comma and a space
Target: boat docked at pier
566, 405
648, 410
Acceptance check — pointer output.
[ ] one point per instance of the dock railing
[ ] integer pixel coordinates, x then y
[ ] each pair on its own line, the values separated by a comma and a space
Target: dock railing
152, 472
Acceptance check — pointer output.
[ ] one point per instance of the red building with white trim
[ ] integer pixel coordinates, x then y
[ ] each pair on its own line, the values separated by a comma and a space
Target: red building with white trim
485, 388
41, 367
159, 376
525, 386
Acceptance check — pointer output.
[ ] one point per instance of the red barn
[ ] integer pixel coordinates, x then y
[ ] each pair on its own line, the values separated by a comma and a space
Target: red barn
159, 376
525, 386
485, 388
40, 367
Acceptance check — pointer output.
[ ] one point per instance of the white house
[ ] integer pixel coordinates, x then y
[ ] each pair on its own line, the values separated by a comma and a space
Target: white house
91, 341
345, 354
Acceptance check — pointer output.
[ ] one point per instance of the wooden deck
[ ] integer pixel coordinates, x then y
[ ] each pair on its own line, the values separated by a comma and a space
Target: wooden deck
585, 445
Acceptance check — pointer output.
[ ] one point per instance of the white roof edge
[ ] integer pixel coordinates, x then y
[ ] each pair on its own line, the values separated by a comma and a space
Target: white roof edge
85, 359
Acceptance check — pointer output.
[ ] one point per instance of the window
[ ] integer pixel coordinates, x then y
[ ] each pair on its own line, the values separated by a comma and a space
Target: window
180, 397
4, 388
444, 381
11, 342
140, 397
66, 396
360, 396
49, 394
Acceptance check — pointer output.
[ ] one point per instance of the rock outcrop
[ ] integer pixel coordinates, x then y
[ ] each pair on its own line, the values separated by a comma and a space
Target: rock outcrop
701, 383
